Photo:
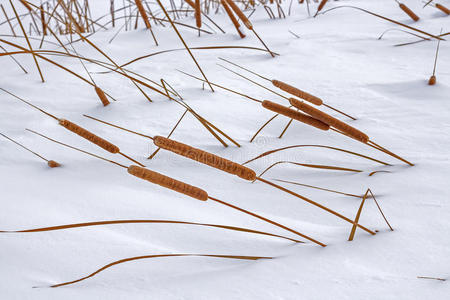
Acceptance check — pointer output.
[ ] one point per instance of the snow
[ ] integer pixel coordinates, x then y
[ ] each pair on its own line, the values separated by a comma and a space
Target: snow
339, 58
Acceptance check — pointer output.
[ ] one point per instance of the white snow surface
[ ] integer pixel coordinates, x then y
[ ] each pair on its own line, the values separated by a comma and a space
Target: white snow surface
339, 58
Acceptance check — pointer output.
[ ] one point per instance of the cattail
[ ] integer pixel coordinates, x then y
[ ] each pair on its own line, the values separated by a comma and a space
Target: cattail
331, 121
240, 14
205, 158
297, 92
443, 8
197, 12
101, 95
290, 113
432, 80
232, 18
89, 136
53, 164
409, 12
44, 24
321, 5
143, 14
167, 182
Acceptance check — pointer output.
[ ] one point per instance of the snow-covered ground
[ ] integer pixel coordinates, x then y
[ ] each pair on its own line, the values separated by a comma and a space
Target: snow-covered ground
337, 57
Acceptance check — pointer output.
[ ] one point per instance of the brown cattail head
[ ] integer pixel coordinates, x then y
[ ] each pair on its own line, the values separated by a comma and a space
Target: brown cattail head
240, 14
205, 158
331, 121
53, 164
443, 8
101, 95
143, 13
197, 12
321, 5
293, 114
409, 12
432, 80
297, 92
167, 182
89, 136
232, 18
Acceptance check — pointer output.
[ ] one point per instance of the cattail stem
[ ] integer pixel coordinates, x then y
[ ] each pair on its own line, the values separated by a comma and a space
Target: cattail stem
34, 106
17, 143
77, 149
184, 43
110, 124
319, 188
379, 208
267, 220
27, 40
313, 203
358, 214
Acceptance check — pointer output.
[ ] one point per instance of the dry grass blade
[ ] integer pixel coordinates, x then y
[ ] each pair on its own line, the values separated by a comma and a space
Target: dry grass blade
325, 167
379, 208
157, 256
318, 188
314, 146
384, 18
262, 127
114, 222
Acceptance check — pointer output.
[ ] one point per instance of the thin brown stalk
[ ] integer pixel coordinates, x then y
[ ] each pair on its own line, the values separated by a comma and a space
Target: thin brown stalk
262, 127
319, 188
184, 43
7, 19
358, 215
379, 208
19, 144
28, 41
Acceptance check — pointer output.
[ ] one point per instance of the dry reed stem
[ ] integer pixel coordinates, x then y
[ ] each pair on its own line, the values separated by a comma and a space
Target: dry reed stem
43, 23
143, 13
290, 113
443, 8
102, 223
409, 12
86, 134
268, 221
297, 92
432, 80
379, 208
168, 182
262, 127
27, 40
240, 257
331, 121
204, 157
101, 95
358, 214
15, 60
435, 278
27, 6
314, 203
8, 20
184, 43
240, 14
19, 144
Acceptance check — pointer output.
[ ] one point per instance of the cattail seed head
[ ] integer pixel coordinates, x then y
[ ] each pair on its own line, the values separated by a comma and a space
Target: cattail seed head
297, 92
169, 183
432, 80
409, 12
293, 114
89, 136
240, 14
443, 8
232, 18
204, 157
331, 121
101, 95
321, 5
53, 164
